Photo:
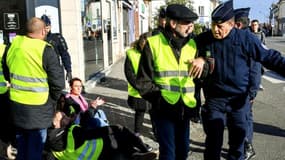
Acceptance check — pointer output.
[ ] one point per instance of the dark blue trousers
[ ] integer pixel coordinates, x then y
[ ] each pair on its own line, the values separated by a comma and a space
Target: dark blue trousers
218, 112
173, 138
30, 143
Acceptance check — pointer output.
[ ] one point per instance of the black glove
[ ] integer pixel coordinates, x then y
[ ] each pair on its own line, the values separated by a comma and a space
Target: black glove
68, 76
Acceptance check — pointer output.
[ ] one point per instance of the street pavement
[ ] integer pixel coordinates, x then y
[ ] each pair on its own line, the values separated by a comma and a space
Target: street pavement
268, 109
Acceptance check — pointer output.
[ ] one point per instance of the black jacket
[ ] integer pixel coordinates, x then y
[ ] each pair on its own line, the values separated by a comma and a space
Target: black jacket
60, 47
150, 91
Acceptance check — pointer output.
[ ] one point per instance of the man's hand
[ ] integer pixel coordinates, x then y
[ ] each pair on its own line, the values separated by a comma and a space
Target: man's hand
68, 76
11, 152
196, 67
97, 102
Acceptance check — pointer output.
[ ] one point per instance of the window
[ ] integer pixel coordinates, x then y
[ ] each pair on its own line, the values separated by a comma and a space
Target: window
201, 11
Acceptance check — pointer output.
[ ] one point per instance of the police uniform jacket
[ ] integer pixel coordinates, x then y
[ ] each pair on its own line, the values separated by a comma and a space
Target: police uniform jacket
60, 46
254, 77
232, 61
40, 116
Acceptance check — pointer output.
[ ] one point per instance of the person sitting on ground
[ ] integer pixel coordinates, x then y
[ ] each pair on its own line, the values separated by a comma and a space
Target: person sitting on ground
69, 141
73, 103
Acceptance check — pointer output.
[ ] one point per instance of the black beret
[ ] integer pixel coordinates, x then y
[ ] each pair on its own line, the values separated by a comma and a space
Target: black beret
180, 12
241, 12
223, 12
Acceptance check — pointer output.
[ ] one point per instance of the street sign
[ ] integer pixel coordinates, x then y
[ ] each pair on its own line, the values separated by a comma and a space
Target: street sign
11, 21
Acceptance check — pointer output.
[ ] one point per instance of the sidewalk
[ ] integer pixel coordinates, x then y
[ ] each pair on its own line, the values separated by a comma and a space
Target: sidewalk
112, 86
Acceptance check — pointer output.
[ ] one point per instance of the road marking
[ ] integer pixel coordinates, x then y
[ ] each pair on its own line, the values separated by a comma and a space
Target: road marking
273, 77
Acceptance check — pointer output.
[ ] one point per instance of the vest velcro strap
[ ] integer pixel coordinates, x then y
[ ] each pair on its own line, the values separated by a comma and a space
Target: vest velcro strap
28, 79
171, 73
177, 88
3, 84
32, 89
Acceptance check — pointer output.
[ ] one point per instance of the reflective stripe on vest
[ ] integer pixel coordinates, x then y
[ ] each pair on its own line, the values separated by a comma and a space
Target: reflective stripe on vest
90, 150
3, 82
134, 56
170, 76
28, 78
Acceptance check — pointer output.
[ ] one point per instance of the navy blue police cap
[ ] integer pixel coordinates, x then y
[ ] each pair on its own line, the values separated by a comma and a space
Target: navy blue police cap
180, 12
46, 19
241, 12
223, 12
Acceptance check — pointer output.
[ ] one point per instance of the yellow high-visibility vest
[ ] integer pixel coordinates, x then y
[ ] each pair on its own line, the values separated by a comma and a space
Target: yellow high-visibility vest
172, 76
3, 82
134, 56
90, 150
28, 78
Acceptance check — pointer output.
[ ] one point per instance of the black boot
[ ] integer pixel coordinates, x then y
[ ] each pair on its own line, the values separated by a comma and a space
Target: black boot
249, 151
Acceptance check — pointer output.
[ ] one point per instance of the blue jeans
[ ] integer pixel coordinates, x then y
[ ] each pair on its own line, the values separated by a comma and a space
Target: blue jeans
173, 138
30, 143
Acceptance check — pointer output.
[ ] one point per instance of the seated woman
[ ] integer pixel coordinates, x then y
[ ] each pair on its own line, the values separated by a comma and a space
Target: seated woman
69, 141
74, 104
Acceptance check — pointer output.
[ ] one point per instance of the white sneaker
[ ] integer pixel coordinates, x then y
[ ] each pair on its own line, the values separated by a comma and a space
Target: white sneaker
261, 87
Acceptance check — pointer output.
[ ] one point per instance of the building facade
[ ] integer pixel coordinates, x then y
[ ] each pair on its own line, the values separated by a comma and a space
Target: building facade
277, 18
96, 31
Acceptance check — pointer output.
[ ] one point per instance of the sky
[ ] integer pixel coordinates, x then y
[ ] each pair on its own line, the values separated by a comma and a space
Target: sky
259, 9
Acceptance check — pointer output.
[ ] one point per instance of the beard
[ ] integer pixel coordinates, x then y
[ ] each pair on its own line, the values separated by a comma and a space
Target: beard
181, 34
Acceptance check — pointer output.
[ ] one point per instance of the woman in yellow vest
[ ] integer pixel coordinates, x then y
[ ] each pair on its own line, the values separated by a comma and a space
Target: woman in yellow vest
135, 101
73, 142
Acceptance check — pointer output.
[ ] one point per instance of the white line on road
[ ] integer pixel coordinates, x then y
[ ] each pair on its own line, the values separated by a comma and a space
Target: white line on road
273, 77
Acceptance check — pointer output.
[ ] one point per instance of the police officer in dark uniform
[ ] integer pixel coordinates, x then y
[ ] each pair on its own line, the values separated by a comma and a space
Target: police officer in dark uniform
60, 46
227, 87
242, 22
